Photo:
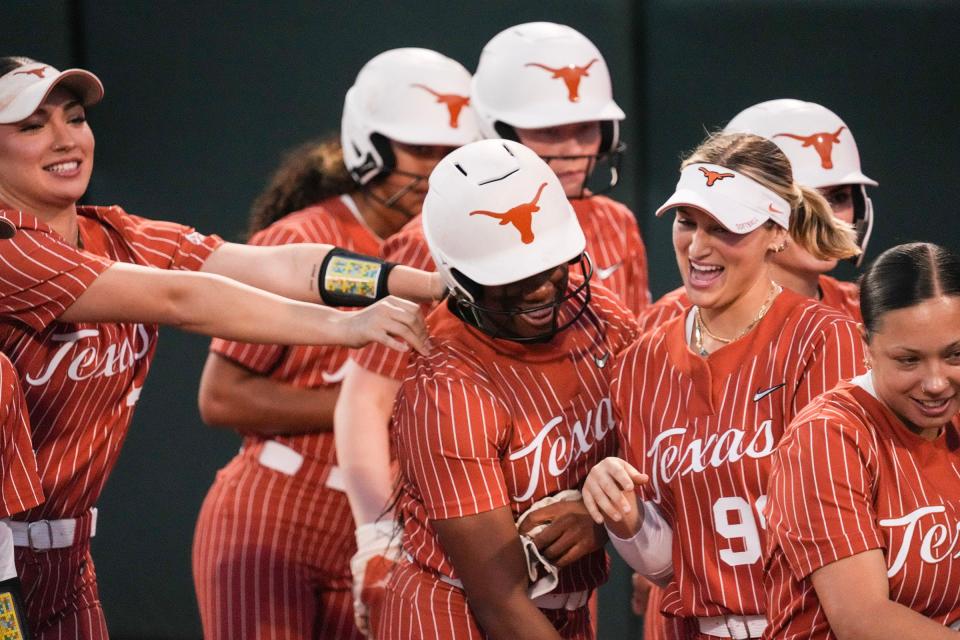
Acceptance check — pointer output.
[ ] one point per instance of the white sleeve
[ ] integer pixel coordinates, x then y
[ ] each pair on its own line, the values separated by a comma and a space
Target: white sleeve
650, 551
8, 569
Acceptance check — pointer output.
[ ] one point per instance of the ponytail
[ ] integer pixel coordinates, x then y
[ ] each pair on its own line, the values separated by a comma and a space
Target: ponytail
816, 230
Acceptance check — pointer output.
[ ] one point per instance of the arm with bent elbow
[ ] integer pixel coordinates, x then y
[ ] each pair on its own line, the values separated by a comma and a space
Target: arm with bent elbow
218, 306
233, 396
361, 424
871, 614
637, 530
292, 271
486, 551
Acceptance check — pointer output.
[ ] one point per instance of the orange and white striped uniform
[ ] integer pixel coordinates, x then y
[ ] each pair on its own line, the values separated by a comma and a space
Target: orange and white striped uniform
704, 428
849, 477
80, 382
19, 479
272, 548
481, 424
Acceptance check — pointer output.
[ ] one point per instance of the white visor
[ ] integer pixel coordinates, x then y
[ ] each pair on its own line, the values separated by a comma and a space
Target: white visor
739, 203
25, 88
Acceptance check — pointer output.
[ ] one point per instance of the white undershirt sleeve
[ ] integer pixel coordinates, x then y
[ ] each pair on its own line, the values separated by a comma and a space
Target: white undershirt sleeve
650, 551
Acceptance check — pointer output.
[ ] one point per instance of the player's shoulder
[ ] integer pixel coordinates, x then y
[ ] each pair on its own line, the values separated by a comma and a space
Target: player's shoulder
840, 295
847, 412
607, 206
804, 320
329, 221
669, 306
608, 307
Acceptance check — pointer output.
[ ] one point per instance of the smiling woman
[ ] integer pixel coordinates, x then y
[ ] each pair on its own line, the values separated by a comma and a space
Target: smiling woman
509, 410
82, 292
704, 398
877, 460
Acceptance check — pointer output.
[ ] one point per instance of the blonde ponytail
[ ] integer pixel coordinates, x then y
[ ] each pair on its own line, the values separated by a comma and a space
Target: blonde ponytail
816, 230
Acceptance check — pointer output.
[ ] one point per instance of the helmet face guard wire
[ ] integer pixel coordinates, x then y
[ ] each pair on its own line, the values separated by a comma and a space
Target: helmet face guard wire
391, 201
612, 159
479, 316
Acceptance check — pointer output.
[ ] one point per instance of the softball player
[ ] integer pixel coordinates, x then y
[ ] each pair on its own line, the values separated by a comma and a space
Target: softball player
82, 292
547, 86
19, 490
823, 155
830, 163
274, 537
511, 407
517, 98
704, 398
865, 486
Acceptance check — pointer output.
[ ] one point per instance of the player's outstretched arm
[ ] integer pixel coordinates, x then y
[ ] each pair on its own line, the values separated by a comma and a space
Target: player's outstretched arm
872, 614
233, 396
486, 551
217, 306
292, 271
361, 425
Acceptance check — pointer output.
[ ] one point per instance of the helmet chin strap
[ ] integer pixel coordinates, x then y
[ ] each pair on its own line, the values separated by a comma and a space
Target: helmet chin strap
479, 316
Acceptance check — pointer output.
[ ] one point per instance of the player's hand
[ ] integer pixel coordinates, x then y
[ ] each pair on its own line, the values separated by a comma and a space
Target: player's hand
641, 593
569, 535
378, 551
609, 490
393, 321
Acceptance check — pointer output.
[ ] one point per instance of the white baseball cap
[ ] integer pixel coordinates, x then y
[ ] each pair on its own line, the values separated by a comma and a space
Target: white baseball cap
24, 89
739, 203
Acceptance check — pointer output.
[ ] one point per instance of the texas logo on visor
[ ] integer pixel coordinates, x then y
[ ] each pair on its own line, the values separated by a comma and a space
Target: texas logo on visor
454, 103
713, 176
823, 143
520, 216
571, 76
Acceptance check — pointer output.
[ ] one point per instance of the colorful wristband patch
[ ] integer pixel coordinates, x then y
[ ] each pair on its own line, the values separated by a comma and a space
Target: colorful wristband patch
347, 275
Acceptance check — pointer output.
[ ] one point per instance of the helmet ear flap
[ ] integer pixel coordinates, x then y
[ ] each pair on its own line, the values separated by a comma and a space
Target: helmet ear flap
506, 131
387, 158
609, 135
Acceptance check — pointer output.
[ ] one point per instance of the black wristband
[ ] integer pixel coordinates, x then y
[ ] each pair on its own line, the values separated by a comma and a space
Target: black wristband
349, 279
13, 622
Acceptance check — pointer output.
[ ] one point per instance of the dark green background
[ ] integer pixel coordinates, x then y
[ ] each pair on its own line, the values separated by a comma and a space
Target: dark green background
201, 99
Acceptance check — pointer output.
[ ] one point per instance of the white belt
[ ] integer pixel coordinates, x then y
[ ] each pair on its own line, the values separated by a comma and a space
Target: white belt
568, 601
287, 461
44, 535
739, 627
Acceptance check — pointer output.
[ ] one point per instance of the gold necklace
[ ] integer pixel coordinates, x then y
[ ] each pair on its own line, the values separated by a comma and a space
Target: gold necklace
700, 327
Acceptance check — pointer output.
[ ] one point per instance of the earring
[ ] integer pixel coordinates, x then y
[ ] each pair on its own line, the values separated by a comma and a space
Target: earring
781, 248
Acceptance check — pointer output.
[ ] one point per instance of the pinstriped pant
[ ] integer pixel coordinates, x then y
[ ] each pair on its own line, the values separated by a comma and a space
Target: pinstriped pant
61, 595
271, 555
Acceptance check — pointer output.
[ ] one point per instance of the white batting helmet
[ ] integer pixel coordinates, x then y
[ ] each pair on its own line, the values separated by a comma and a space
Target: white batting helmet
410, 95
542, 74
820, 147
495, 214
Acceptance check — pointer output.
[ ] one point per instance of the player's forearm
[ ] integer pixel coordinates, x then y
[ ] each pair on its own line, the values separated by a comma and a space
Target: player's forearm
887, 621
252, 403
514, 617
416, 285
361, 425
216, 306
